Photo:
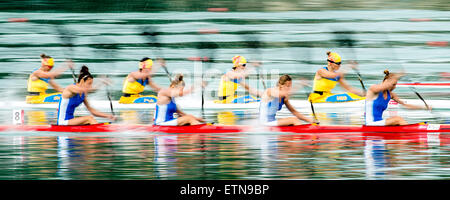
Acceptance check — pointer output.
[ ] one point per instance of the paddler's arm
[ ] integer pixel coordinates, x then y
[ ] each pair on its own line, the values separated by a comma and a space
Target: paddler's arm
55, 73
96, 112
55, 85
251, 90
349, 88
327, 74
394, 96
153, 85
295, 112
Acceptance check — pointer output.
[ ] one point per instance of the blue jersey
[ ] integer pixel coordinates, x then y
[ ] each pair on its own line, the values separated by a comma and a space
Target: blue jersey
268, 110
375, 108
67, 107
164, 113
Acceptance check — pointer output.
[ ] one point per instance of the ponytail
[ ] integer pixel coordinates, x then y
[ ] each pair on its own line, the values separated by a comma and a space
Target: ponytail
84, 74
283, 79
43, 56
177, 80
387, 74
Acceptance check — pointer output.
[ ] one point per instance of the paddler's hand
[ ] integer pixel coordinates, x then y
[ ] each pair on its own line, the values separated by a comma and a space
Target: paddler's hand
304, 82
353, 64
70, 64
105, 81
428, 108
200, 119
256, 63
112, 117
204, 84
161, 62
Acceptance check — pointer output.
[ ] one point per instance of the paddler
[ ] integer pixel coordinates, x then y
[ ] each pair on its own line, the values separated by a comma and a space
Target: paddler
377, 100
273, 100
166, 106
40, 78
135, 82
75, 94
326, 79
230, 81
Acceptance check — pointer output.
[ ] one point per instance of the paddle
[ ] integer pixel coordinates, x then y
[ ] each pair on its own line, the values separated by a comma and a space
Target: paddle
107, 50
344, 39
207, 50
403, 69
66, 39
109, 98
151, 34
252, 42
308, 92
308, 59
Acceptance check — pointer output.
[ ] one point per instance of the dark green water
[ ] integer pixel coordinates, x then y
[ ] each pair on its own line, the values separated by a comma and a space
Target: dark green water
291, 41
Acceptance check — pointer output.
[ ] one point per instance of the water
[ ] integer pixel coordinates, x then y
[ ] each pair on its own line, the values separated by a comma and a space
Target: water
292, 42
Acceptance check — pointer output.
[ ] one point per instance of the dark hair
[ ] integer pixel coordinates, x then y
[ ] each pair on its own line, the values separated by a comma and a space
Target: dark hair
45, 56
84, 74
177, 80
144, 59
387, 74
283, 79
328, 53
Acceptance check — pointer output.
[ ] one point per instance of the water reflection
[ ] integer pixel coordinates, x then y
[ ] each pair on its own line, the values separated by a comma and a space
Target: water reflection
226, 156
375, 159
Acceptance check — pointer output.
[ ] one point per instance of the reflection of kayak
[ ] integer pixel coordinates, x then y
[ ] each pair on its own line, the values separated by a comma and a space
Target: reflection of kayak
191, 104
338, 138
207, 128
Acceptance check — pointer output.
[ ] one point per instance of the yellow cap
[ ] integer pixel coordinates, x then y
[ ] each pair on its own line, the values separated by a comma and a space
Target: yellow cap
147, 64
47, 61
334, 57
238, 60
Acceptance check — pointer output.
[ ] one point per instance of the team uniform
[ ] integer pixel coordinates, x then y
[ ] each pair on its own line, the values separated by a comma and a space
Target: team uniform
36, 91
375, 108
67, 107
132, 92
322, 91
164, 114
268, 111
227, 92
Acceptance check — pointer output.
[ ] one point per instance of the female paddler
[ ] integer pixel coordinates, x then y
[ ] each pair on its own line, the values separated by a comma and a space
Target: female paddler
326, 79
273, 100
40, 78
73, 95
230, 81
377, 100
135, 82
166, 106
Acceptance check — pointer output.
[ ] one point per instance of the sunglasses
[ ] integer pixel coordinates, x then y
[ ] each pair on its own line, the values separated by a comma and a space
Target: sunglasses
337, 63
244, 65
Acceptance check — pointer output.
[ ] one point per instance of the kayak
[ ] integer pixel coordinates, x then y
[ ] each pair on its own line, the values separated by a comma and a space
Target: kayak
106, 127
311, 128
208, 128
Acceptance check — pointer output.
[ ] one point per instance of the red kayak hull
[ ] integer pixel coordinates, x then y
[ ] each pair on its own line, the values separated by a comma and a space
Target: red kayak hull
205, 128
202, 128
310, 128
